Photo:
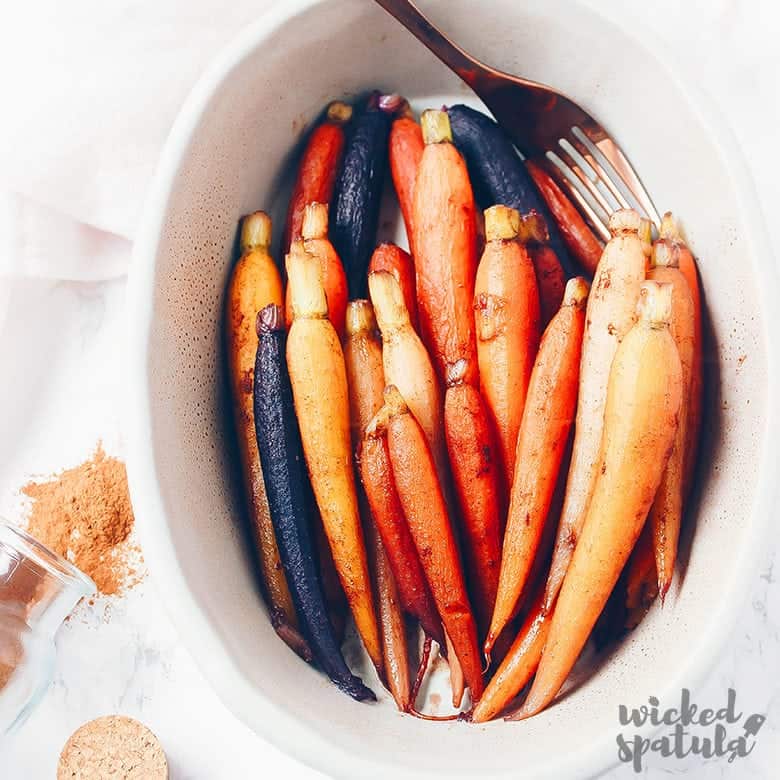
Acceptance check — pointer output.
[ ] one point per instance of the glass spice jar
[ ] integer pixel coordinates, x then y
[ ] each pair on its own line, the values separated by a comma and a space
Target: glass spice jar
38, 590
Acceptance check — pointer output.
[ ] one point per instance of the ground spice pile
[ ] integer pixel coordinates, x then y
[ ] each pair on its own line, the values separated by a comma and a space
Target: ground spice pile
85, 515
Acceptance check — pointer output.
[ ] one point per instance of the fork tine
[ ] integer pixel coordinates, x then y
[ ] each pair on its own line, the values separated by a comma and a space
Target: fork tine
611, 152
598, 223
587, 182
603, 174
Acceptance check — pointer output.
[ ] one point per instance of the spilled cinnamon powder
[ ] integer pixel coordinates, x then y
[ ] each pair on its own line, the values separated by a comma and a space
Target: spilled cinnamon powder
85, 515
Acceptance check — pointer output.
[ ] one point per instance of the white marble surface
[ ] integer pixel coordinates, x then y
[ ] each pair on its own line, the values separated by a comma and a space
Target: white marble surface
61, 349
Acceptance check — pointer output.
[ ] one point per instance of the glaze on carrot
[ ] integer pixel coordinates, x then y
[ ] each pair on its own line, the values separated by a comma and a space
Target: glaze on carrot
254, 284
548, 417
319, 382
422, 499
476, 472
394, 260
318, 167
506, 304
640, 423
443, 220
578, 237
610, 314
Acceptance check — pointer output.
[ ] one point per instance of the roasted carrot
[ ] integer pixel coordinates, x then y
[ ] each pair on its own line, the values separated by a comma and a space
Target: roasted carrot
550, 276
407, 365
394, 260
473, 450
422, 499
671, 239
391, 622
640, 422
315, 241
667, 511
405, 150
519, 665
610, 314
443, 220
279, 446
414, 591
317, 169
319, 383
366, 381
578, 237
549, 413
254, 284
506, 303
641, 583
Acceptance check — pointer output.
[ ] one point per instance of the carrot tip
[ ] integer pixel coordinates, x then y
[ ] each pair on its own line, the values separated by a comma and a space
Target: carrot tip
339, 112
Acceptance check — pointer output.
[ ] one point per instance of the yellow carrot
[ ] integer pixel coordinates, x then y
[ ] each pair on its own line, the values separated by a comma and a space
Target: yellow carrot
319, 384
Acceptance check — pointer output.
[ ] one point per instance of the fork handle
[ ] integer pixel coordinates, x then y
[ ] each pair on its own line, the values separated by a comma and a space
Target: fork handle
451, 55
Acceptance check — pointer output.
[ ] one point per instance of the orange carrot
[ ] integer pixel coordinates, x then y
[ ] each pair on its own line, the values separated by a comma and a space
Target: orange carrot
506, 303
317, 170
319, 383
666, 514
640, 422
641, 587
334, 280
393, 259
473, 451
254, 283
550, 276
423, 503
405, 151
577, 236
414, 591
547, 419
443, 220
391, 621
610, 314
671, 237
519, 665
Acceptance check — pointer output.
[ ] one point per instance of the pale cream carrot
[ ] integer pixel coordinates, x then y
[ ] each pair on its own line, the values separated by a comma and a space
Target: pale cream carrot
610, 314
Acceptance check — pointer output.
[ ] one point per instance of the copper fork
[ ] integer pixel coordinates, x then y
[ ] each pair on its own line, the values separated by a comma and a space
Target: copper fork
545, 126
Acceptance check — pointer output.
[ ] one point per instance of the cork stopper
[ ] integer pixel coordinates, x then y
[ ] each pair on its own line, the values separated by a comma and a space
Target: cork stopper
388, 299
666, 254
339, 113
533, 229
315, 221
360, 317
307, 294
436, 126
576, 292
655, 304
255, 232
502, 223
113, 746
624, 221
